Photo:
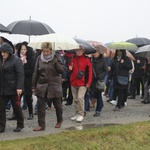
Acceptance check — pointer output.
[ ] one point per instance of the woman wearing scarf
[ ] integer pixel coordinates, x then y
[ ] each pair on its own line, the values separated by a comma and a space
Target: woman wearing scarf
25, 53
46, 82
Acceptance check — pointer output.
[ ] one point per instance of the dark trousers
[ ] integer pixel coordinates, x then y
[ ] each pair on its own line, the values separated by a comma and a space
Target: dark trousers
134, 86
122, 96
17, 110
41, 110
29, 101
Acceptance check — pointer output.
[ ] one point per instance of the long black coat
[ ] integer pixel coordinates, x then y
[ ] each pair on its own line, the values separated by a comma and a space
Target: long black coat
28, 70
118, 68
11, 76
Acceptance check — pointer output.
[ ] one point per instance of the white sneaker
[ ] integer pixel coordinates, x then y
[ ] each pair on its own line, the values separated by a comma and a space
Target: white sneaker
114, 102
125, 103
75, 117
79, 118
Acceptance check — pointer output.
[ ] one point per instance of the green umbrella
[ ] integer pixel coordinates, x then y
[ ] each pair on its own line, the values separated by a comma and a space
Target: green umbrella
122, 45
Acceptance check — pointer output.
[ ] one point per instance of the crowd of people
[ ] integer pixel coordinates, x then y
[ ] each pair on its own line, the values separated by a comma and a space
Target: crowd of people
56, 76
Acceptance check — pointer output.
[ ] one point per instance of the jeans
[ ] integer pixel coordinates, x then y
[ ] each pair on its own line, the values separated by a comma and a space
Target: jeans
111, 91
100, 104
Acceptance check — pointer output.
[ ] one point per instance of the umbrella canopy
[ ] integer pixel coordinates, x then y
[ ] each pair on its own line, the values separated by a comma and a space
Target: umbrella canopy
128, 54
122, 46
98, 46
29, 27
88, 47
139, 41
59, 42
143, 51
3, 29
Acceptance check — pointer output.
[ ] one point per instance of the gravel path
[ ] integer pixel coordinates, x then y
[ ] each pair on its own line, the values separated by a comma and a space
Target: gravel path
135, 111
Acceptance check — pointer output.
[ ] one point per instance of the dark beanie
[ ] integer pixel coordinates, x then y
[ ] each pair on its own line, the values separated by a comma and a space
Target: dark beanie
5, 47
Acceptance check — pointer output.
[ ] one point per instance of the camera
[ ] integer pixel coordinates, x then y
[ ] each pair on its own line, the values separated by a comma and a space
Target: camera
80, 74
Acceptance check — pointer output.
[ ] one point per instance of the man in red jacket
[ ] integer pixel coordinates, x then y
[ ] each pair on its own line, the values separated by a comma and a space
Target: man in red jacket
80, 79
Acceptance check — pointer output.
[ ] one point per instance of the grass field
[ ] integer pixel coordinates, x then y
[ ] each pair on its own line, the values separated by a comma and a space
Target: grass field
135, 136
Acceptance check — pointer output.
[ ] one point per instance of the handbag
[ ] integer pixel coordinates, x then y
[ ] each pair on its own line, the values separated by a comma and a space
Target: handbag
122, 80
100, 85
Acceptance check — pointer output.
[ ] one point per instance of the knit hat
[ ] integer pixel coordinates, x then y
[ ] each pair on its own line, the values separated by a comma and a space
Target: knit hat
5, 47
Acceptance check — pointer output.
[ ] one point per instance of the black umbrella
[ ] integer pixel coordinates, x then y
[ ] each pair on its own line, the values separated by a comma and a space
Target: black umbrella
3, 29
88, 47
143, 51
139, 41
29, 27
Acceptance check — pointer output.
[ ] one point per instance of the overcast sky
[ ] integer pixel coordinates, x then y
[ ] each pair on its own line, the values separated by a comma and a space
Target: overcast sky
100, 20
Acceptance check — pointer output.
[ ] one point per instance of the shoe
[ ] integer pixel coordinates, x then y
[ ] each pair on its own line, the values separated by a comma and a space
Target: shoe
131, 97
145, 102
125, 103
58, 124
109, 100
142, 97
96, 114
39, 128
116, 109
79, 118
12, 117
35, 113
75, 117
114, 102
8, 108
84, 113
48, 108
67, 104
18, 129
24, 108
30, 116
2, 130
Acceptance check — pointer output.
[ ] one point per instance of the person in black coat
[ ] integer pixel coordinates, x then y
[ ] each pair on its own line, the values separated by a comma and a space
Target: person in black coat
120, 67
25, 53
11, 85
99, 72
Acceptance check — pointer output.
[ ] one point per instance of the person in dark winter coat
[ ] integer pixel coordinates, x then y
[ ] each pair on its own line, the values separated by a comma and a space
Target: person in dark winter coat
137, 78
99, 72
46, 82
120, 67
11, 85
146, 99
25, 53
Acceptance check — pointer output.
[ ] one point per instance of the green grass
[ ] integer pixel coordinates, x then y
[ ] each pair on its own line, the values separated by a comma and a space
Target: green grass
135, 136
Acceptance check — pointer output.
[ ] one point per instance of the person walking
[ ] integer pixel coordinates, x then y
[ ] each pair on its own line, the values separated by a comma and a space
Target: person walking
11, 85
25, 53
80, 79
99, 72
120, 68
46, 82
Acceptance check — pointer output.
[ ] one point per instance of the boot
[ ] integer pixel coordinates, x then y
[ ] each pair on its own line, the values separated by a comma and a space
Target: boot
30, 116
92, 103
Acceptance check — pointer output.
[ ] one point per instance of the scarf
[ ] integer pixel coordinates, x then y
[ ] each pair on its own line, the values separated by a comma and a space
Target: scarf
23, 58
47, 58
